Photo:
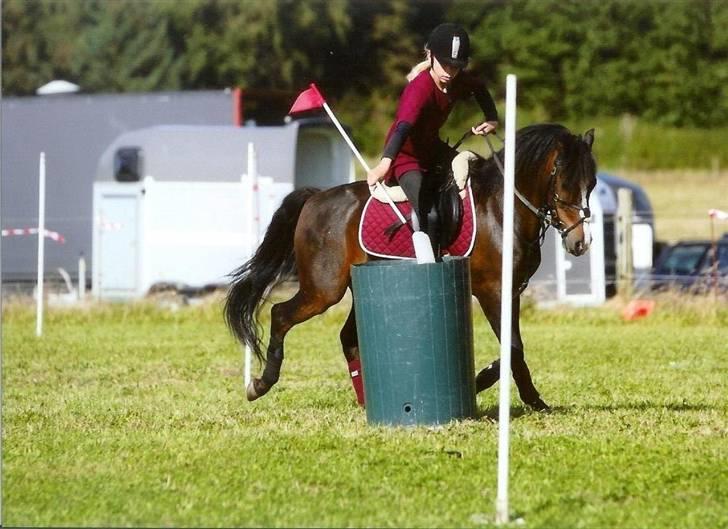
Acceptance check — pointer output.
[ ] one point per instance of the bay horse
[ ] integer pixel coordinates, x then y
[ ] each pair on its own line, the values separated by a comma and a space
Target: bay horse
314, 234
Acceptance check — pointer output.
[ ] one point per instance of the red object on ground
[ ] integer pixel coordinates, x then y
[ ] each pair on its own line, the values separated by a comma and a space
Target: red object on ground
357, 381
308, 100
638, 308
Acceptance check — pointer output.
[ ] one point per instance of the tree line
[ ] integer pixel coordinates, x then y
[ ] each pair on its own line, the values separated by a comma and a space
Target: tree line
662, 60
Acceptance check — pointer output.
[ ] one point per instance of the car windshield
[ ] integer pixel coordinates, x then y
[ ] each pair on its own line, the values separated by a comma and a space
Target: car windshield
683, 260
722, 257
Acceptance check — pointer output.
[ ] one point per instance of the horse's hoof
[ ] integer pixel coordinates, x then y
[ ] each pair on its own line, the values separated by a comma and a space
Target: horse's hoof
486, 378
540, 406
250, 392
256, 389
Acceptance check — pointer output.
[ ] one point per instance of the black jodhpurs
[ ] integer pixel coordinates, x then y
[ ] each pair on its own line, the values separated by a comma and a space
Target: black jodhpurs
421, 192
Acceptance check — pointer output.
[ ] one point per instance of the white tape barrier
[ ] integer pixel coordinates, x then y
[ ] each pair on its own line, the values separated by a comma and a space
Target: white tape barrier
718, 214
20, 232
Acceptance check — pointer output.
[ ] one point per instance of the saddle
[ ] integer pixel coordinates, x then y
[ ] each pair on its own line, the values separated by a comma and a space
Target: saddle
459, 169
381, 233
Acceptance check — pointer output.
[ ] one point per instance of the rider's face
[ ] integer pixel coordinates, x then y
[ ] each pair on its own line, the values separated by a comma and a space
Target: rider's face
445, 73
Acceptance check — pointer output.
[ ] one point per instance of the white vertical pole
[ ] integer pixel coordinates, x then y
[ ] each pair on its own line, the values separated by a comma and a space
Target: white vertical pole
41, 244
504, 406
253, 177
81, 278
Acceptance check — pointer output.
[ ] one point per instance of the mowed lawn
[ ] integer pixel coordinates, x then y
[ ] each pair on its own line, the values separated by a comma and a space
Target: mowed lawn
134, 415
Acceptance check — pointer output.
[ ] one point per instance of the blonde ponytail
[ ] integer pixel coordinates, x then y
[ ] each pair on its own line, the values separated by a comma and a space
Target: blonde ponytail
417, 69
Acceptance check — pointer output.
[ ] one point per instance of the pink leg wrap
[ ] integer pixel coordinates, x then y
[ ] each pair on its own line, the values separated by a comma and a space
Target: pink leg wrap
357, 381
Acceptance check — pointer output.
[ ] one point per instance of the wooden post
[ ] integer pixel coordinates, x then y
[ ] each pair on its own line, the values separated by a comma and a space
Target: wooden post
624, 243
713, 258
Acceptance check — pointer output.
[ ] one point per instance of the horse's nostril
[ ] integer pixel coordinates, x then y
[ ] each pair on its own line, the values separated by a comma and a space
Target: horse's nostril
579, 246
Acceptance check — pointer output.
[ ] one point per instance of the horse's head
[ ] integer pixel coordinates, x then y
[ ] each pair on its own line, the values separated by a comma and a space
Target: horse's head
574, 178
565, 174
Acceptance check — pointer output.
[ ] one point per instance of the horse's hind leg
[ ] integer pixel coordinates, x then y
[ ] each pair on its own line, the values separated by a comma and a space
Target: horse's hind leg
350, 346
284, 316
521, 374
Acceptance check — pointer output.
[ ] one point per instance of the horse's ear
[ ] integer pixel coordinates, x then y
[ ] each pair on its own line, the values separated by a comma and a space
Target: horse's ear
589, 137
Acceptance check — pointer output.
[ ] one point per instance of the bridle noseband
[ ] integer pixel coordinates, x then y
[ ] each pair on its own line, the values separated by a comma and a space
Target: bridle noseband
548, 214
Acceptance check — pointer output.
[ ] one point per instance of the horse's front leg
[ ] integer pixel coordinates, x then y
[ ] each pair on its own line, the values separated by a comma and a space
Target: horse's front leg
521, 374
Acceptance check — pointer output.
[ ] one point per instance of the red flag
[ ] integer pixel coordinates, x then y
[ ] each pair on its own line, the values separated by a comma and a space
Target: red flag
308, 100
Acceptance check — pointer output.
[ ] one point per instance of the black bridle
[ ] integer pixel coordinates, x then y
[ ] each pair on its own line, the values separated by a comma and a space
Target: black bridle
548, 214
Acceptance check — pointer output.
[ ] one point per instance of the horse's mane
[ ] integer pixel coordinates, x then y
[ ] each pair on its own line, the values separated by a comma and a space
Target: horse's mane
533, 147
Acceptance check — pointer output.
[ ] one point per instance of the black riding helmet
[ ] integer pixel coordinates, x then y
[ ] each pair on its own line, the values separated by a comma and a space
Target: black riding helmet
450, 44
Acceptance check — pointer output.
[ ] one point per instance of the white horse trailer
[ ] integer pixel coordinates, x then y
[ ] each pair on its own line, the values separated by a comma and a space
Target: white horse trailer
185, 205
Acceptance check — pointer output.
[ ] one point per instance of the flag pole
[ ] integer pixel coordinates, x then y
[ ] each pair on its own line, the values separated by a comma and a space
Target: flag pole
312, 98
361, 160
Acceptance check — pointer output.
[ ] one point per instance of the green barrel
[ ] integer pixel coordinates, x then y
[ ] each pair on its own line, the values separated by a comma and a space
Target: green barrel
415, 329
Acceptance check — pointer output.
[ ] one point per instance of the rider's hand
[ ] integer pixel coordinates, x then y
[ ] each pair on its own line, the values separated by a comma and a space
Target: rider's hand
378, 172
484, 128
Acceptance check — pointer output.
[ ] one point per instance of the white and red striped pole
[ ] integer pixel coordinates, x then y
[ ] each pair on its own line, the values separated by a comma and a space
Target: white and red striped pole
41, 244
53, 235
504, 403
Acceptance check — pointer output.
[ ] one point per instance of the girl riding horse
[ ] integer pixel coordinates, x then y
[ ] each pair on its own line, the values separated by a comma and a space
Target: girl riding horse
413, 146
314, 235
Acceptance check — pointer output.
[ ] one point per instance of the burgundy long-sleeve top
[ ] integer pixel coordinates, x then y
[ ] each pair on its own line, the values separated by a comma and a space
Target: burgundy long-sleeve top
426, 108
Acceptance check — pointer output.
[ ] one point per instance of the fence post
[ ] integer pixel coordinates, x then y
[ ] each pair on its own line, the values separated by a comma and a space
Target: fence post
624, 243
81, 278
41, 243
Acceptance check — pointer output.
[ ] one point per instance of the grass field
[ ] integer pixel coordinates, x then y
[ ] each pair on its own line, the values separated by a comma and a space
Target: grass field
133, 415
681, 200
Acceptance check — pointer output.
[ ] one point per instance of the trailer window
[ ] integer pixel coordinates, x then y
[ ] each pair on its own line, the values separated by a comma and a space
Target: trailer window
128, 164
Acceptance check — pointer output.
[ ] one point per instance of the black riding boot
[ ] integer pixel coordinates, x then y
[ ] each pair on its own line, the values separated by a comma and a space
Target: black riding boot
433, 232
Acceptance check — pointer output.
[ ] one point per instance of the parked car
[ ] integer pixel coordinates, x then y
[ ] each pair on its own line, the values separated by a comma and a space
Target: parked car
689, 266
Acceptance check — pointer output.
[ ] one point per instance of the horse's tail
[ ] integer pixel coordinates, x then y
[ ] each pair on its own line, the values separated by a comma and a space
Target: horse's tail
274, 261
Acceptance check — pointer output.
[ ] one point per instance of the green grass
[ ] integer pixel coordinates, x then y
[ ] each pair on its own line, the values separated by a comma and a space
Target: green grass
131, 415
